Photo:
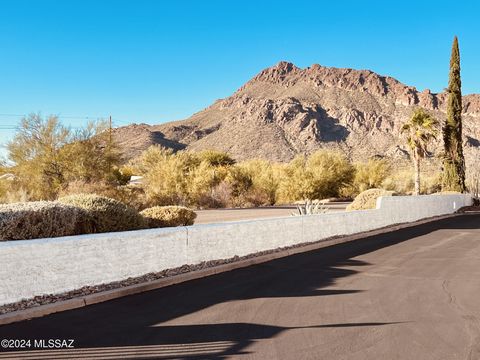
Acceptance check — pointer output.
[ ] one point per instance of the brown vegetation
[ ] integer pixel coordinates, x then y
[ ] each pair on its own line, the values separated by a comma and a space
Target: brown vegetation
368, 199
19, 221
107, 214
166, 216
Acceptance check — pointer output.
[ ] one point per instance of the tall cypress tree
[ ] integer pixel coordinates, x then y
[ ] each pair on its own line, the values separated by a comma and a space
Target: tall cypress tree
453, 161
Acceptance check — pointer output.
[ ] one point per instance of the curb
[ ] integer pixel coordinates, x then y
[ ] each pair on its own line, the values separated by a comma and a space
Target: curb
75, 303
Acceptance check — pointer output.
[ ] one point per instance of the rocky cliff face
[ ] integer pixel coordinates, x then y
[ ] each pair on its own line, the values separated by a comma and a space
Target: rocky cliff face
285, 110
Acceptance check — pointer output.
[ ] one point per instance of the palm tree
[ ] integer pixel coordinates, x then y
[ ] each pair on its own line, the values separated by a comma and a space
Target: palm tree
420, 130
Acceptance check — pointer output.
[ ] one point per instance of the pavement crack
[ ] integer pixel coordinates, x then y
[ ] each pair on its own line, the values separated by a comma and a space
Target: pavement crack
472, 324
451, 298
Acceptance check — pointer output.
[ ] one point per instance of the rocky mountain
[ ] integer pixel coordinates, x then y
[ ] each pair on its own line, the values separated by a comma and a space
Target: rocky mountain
286, 110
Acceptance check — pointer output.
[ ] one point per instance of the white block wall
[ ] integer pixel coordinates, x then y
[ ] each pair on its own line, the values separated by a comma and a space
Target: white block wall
48, 266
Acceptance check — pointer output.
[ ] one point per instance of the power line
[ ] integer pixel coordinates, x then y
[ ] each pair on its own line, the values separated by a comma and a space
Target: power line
60, 116
14, 127
12, 115
113, 121
106, 117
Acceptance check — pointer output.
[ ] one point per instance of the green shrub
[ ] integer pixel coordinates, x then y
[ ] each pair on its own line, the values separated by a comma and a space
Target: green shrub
108, 214
368, 199
40, 219
165, 216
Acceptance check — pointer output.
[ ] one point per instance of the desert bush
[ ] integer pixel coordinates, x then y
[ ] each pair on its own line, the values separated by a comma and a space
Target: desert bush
330, 172
184, 178
91, 156
35, 153
166, 175
323, 174
215, 158
401, 179
16, 195
45, 156
266, 177
166, 216
42, 219
348, 192
368, 199
371, 174
213, 179
431, 183
296, 181
239, 183
199, 183
254, 198
107, 214
130, 195
4, 188
220, 196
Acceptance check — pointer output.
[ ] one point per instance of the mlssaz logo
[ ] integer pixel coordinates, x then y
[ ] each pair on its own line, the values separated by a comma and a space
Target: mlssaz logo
54, 344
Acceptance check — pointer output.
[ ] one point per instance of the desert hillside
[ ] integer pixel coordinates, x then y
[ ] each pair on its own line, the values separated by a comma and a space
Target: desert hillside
286, 110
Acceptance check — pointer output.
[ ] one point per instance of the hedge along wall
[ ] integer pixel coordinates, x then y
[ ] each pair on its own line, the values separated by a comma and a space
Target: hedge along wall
49, 266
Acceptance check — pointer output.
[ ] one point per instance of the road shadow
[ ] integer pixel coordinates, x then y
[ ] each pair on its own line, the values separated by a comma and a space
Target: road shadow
211, 341
137, 320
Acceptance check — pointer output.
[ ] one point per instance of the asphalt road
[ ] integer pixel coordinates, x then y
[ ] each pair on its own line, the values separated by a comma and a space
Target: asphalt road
410, 294
222, 215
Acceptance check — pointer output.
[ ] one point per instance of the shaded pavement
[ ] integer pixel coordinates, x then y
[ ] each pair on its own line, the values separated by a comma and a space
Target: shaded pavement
409, 294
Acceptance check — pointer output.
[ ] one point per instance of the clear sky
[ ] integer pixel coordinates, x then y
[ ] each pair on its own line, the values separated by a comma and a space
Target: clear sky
155, 61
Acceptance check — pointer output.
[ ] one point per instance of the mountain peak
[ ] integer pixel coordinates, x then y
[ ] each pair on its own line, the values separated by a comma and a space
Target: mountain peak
277, 73
286, 110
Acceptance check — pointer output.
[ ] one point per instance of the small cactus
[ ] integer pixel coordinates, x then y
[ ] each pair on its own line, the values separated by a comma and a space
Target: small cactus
311, 208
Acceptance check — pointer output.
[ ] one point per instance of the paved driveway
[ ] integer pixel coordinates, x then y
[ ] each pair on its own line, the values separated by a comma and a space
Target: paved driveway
410, 294
222, 215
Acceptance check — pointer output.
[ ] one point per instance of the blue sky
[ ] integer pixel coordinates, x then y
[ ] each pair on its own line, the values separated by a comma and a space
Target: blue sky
155, 61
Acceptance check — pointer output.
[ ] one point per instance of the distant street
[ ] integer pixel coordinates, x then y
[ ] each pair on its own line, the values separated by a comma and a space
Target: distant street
410, 294
222, 215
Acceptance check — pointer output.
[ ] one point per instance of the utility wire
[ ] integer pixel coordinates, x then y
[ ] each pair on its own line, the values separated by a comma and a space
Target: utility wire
113, 121
59, 115
116, 120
